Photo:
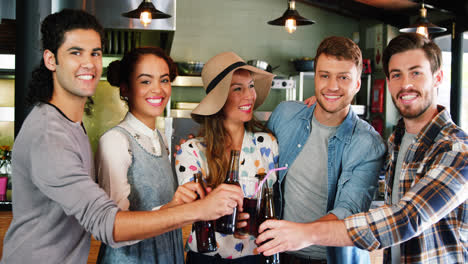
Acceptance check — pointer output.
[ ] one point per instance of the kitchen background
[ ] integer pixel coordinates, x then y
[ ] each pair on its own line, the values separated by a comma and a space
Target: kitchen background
207, 27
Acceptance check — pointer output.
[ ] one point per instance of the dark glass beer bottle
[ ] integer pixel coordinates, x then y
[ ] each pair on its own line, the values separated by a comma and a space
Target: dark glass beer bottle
269, 213
204, 230
227, 224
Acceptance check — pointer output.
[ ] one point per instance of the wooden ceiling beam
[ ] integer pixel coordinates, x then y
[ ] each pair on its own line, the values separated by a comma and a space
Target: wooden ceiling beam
358, 10
454, 7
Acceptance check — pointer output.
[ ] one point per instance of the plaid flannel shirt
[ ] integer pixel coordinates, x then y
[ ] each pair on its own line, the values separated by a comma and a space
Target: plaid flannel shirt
431, 219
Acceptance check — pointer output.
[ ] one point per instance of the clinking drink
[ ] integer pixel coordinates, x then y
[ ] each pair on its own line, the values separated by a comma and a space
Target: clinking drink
227, 224
204, 230
252, 206
268, 212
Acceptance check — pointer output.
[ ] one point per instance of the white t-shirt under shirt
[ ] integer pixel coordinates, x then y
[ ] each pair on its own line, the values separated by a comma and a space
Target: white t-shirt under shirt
306, 185
406, 142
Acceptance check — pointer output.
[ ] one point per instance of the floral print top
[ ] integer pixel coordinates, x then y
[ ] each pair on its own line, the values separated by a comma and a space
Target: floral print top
259, 154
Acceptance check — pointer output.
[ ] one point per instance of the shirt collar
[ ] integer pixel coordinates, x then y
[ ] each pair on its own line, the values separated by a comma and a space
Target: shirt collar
248, 139
343, 130
63, 114
138, 126
430, 130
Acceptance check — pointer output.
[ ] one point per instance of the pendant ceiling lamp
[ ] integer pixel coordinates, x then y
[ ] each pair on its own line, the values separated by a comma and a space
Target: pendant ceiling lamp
145, 12
422, 25
291, 18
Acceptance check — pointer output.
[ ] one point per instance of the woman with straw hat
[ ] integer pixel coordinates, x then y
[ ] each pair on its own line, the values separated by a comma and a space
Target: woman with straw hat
133, 168
233, 90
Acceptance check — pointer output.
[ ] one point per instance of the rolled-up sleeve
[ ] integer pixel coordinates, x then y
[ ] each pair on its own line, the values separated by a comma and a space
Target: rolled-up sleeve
440, 191
359, 177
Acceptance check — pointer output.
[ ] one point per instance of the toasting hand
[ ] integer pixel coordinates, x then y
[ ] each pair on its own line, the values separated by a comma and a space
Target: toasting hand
185, 194
241, 223
281, 236
221, 201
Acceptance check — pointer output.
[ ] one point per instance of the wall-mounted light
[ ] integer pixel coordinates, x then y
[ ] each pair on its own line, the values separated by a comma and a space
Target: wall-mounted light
422, 25
146, 12
291, 18
7, 114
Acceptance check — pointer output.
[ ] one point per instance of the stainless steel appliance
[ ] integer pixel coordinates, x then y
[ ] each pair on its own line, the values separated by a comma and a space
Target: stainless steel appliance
160, 31
177, 129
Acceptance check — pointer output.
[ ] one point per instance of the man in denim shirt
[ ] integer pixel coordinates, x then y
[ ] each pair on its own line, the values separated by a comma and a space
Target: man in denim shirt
425, 216
333, 157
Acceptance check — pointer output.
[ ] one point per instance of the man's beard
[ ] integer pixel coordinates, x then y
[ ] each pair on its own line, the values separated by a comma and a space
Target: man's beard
414, 114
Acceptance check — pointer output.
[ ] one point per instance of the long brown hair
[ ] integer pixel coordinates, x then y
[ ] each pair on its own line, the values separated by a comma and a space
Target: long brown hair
216, 139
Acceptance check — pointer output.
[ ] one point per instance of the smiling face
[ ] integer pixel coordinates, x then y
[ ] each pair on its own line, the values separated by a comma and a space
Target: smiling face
412, 84
77, 66
336, 83
241, 99
150, 89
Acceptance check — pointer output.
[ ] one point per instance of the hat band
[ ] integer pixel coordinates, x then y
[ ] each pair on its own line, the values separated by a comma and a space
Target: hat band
223, 74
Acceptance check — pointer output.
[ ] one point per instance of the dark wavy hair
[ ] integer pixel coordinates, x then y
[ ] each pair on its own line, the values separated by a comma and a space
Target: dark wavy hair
412, 41
119, 71
53, 29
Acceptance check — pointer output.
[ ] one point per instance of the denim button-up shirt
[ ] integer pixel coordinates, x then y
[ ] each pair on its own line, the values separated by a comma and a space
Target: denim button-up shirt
355, 157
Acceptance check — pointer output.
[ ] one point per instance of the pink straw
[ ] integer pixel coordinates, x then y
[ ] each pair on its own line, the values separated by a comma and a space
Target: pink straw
266, 177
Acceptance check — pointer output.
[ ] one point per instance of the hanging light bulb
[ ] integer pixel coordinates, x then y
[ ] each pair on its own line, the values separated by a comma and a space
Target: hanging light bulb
291, 18
421, 30
145, 18
146, 12
290, 25
422, 26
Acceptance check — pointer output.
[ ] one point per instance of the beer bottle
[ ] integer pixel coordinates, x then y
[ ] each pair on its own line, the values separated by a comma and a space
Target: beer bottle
269, 213
204, 230
227, 224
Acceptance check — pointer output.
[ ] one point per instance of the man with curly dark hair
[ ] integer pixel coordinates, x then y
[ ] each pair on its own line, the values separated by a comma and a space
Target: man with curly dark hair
56, 203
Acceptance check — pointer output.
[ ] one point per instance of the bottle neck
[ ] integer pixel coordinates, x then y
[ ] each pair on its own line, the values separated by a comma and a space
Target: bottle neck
233, 172
198, 178
269, 204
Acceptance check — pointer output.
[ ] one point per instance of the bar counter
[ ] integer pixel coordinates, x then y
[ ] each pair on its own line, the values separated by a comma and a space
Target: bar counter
5, 205
6, 216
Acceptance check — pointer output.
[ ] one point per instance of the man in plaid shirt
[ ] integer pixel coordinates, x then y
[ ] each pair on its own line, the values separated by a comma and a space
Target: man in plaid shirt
425, 216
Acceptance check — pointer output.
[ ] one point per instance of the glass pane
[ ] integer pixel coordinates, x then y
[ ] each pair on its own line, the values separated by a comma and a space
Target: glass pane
464, 101
444, 43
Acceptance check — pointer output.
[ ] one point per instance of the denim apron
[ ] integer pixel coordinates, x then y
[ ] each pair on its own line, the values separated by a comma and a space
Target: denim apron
152, 184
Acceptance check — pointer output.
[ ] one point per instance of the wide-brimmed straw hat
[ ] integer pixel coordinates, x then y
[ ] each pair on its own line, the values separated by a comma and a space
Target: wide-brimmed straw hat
217, 75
